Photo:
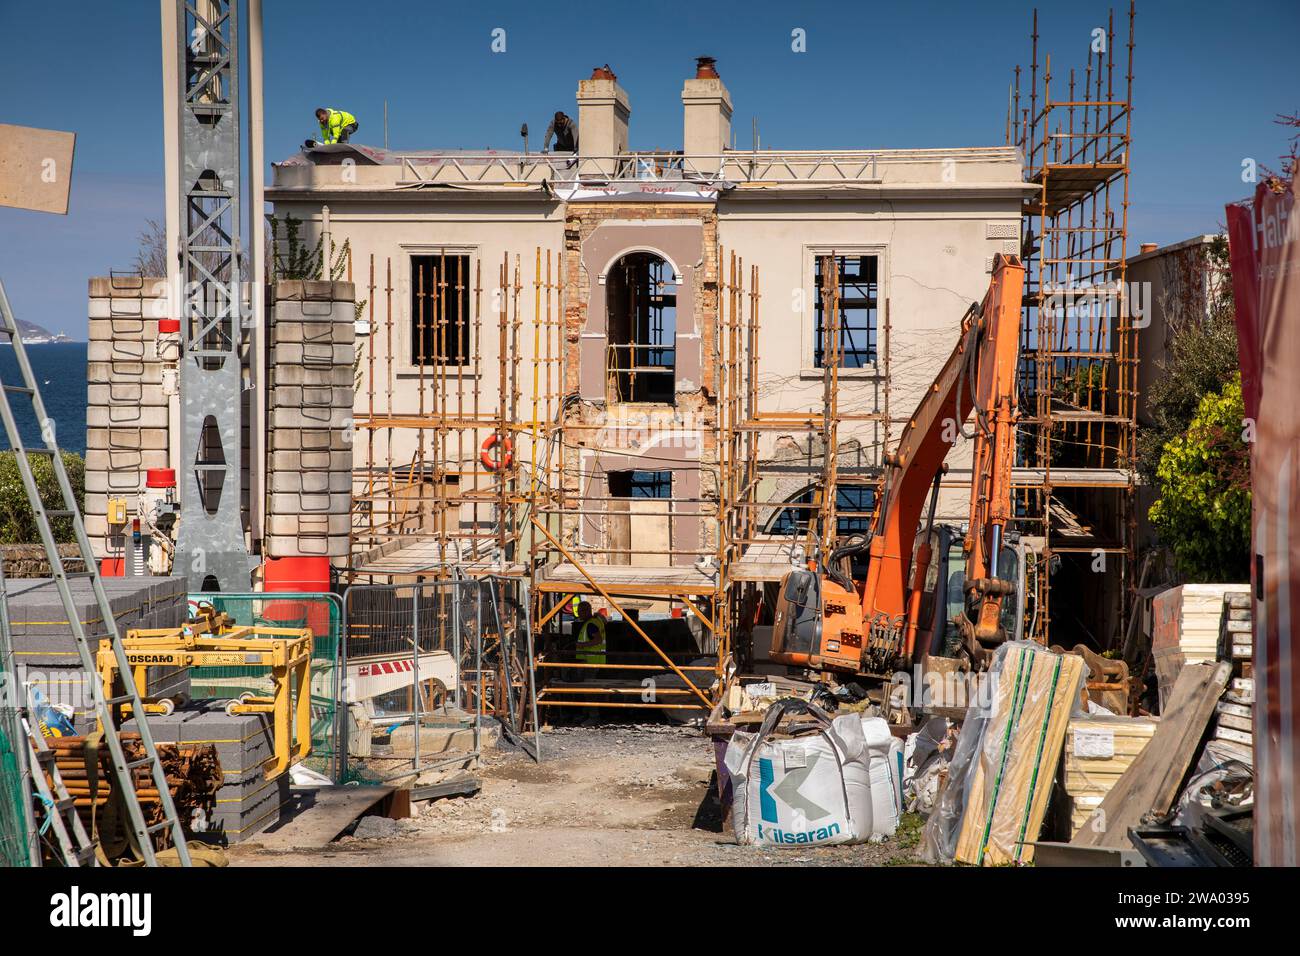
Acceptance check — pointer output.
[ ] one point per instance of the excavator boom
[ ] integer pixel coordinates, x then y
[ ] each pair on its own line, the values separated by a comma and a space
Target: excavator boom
819, 622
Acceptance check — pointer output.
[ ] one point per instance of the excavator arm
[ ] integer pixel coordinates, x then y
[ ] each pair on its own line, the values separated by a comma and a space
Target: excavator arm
815, 624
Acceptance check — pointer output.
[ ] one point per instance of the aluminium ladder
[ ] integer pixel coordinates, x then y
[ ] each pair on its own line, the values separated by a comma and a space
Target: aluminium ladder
76, 847
109, 710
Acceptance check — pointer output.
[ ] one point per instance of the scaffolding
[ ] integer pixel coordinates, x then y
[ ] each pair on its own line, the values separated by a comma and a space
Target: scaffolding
447, 467
1075, 481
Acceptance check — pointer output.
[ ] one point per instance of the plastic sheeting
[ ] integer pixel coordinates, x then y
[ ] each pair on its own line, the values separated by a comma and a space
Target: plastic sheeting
1002, 770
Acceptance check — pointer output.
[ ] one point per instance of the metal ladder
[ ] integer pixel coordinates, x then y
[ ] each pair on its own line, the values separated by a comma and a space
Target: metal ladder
75, 845
107, 709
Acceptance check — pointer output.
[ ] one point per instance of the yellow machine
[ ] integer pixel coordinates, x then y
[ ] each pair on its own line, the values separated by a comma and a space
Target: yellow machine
213, 640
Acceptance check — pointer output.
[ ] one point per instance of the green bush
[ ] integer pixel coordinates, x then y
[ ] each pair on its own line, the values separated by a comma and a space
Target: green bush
17, 523
1203, 475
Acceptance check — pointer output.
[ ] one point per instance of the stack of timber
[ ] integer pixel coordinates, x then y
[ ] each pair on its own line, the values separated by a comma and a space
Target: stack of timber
130, 379
193, 778
1099, 749
312, 387
1011, 778
1235, 714
1155, 778
1186, 628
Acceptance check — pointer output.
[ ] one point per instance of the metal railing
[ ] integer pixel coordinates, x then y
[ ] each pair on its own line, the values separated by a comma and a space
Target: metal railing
415, 651
768, 166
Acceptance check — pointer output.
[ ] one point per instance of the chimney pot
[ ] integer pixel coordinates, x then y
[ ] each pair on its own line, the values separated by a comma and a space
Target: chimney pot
706, 68
1148, 247
603, 73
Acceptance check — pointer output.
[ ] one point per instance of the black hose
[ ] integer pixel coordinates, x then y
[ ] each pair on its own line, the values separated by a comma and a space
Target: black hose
856, 545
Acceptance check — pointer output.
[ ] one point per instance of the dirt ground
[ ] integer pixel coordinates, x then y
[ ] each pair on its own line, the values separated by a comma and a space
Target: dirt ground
608, 795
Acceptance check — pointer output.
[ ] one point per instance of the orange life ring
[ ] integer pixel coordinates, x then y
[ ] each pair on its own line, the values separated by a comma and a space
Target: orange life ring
491, 462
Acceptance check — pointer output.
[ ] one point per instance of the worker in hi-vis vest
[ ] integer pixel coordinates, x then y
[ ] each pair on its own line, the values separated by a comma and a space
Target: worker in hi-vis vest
591, 636
335, 125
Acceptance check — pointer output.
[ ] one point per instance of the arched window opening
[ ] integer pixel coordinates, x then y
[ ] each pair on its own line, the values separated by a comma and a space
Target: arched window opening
641, 363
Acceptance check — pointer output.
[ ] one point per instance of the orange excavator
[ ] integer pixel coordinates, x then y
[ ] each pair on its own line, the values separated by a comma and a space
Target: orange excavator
826, 621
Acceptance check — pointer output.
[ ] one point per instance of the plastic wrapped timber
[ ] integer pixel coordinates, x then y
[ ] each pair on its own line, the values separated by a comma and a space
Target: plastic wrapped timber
1005, 762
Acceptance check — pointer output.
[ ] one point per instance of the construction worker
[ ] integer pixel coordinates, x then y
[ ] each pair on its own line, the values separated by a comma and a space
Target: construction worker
565, 132
590, 645
335, 125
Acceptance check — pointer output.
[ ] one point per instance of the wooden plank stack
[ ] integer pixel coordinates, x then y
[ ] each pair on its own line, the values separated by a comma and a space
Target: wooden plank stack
1011, 779
1186, 628
1154, 779
1098, 750
1235, 714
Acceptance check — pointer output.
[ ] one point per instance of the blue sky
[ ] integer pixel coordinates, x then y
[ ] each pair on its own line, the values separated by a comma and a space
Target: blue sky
1209, 79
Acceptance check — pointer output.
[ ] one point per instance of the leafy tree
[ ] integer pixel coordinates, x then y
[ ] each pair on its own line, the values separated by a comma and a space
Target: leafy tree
1203, 512
17, 523
1201, 355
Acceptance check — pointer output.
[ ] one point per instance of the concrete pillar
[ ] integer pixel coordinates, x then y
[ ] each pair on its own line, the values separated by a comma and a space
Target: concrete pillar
603, 112
706, 114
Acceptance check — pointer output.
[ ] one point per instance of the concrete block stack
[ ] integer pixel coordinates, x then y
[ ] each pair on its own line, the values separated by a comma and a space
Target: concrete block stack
310, 409
130, 375
46, 652
247, 802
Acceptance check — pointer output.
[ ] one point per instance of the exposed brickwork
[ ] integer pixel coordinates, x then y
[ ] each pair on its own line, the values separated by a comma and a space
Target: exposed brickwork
696, 401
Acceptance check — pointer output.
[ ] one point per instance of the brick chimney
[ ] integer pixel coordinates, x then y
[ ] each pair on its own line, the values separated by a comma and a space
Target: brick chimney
706, 114
603, 112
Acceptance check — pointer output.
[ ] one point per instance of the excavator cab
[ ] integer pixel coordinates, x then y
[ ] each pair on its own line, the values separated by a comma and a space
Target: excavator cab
797, 624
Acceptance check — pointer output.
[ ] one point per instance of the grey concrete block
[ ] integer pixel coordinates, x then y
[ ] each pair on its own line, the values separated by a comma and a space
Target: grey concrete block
122, 350
299, 526
310, 545
306, 505
300, 353
237, 819
316, 396
125, 460
111, 372
119, 416
312, 439
126, 439
331, 376
315, 331
125, 392
243, 742
288, 291
328, 418
310, 481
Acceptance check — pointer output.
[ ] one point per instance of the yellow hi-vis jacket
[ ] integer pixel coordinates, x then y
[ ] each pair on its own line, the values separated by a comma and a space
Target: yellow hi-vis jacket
595, 653
333, 125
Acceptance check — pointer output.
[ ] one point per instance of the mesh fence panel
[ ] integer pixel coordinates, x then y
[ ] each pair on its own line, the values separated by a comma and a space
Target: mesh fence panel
14, 790
323, 613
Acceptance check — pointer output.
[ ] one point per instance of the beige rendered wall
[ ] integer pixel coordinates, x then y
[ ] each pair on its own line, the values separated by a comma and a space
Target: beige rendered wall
487, 231
934, 258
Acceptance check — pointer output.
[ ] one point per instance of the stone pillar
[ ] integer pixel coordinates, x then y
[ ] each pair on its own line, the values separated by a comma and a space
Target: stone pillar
130, 372
310, 425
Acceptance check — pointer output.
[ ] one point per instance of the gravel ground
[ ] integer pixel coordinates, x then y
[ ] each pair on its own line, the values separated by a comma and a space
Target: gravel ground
615, 795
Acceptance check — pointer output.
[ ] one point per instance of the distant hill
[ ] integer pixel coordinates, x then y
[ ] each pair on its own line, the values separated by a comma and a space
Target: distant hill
34, 334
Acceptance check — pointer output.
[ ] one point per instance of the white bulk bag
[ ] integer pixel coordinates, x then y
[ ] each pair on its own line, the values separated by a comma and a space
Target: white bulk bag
809, 790
885, 760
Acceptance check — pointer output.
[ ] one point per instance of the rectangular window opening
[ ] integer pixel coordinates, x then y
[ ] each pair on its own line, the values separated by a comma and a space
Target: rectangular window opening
859, 291
641, 484
440, 309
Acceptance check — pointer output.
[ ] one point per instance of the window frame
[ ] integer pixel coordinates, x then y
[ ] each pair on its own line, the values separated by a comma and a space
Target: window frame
812, 253
405, 363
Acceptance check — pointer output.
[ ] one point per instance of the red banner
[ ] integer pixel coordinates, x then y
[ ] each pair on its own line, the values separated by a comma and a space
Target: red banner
1268, 328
